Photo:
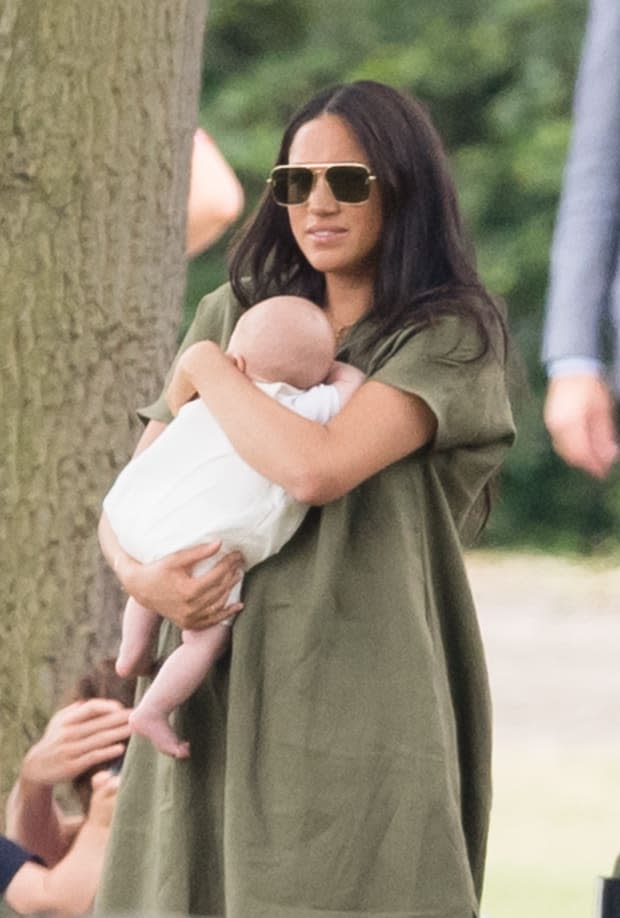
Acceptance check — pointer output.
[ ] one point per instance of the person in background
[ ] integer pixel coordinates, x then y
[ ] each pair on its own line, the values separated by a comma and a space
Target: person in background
29, 886
85, 737
216, 197
582, 321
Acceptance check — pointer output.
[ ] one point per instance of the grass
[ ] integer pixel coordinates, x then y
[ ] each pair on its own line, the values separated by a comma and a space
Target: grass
552, 634
555, 828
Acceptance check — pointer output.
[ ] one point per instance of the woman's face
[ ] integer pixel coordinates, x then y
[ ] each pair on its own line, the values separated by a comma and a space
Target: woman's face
337, 239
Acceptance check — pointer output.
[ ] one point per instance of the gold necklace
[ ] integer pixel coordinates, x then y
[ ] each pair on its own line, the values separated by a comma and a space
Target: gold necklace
342, 332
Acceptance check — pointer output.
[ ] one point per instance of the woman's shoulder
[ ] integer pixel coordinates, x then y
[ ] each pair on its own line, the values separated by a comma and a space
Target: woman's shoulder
447, 338
216, 315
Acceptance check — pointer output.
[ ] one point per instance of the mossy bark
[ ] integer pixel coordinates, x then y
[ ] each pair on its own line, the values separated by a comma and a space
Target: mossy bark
98, 102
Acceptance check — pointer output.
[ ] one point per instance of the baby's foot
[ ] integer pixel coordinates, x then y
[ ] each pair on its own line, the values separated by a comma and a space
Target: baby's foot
155, 727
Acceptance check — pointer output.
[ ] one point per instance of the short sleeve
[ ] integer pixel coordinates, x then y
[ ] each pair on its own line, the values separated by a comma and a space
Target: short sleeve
12, 859
466, 392
215, 318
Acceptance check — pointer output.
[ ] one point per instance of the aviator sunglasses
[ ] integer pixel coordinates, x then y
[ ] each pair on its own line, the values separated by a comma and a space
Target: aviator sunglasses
348, 182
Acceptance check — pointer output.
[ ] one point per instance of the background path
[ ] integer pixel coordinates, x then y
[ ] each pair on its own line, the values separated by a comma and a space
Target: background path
551, 628
552, 632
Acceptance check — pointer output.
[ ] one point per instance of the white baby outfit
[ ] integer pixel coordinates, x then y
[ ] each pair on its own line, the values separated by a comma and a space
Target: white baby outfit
190, 487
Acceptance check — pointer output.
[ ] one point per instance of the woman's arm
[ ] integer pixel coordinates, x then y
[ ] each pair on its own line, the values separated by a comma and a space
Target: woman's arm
77, 737
35, 821
69, 888
315, 463
167, 586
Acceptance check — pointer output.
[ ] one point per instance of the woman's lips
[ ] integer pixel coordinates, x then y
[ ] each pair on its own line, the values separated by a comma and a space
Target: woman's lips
325, 233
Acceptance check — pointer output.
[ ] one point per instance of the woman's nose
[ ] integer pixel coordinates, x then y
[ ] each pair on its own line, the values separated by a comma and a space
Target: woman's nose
321, 196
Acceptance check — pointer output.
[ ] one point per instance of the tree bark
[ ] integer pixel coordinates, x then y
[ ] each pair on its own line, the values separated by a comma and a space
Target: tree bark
98, 103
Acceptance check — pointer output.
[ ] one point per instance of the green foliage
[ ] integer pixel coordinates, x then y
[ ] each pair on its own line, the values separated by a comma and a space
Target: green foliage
498, 79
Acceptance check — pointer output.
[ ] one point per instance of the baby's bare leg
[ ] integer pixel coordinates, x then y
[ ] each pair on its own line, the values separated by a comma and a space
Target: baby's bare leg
137, 650
179, 677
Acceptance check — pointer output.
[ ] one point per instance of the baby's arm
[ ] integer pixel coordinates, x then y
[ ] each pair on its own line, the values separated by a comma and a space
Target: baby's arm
346, 378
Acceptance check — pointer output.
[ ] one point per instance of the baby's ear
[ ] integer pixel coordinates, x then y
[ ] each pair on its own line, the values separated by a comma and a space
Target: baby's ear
238, 360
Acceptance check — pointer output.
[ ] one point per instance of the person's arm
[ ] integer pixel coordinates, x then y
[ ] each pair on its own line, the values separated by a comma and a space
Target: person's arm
167, 585
77, 737
579, 415
215, 195
315, 463
585, 240
579, 408
346, 378
69, 887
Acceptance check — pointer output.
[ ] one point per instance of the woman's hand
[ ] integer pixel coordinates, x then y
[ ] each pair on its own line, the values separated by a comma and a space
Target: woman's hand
168, 587
77, 737
82, 735
105, 788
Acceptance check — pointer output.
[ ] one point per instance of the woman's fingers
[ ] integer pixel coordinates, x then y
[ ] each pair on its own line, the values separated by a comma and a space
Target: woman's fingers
214, 587
97, 756
83, 734
208, 616
208, 593
89, 715
95, 724
105, 788
169, 587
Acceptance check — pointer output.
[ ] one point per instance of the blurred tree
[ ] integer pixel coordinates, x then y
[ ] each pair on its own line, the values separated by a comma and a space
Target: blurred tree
98, 103
498, 79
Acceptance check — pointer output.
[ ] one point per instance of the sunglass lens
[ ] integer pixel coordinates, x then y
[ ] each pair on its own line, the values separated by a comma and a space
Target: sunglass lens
349, 184
291, 185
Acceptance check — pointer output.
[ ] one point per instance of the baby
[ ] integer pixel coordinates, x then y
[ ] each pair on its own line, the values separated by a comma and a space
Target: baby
191, 487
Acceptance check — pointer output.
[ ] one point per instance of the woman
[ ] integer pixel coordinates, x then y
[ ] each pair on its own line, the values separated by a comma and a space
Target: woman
340, 755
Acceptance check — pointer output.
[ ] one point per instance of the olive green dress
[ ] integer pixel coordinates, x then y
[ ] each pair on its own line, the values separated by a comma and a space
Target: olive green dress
340, 754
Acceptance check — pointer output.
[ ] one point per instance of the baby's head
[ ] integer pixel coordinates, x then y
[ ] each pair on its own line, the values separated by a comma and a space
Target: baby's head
285, 339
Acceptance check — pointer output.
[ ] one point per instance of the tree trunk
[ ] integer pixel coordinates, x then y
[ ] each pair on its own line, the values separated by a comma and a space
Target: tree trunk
98, 103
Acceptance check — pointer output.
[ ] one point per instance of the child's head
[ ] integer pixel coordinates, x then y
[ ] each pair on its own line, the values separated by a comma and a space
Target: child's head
101, 681
285, 339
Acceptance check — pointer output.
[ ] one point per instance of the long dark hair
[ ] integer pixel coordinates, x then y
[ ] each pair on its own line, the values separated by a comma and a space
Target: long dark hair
425, 267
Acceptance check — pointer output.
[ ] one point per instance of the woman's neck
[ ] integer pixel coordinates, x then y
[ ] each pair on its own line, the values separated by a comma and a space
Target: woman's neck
346, 301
